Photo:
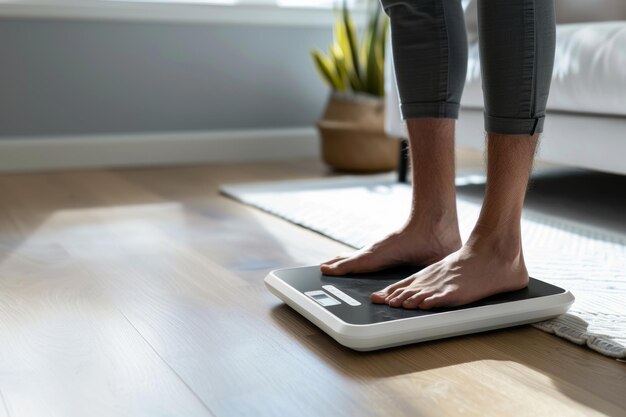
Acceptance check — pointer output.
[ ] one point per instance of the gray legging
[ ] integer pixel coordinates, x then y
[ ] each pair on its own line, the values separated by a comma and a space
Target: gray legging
516, 45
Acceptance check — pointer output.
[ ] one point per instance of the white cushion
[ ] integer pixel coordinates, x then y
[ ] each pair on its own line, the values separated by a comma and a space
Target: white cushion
589, 71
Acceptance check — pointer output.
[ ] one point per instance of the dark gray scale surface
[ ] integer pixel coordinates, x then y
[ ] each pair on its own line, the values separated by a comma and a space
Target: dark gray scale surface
360, 286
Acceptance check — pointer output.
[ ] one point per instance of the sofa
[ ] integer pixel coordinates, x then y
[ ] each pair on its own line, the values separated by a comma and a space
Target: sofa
586, 112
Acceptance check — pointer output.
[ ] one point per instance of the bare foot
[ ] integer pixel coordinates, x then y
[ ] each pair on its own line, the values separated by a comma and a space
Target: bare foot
477, 270
411, 245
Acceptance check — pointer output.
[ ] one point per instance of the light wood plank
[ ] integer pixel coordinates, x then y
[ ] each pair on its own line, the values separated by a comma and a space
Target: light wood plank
66, 349
184, 266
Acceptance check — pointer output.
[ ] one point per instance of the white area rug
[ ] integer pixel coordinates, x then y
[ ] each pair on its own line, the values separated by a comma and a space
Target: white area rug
591, 263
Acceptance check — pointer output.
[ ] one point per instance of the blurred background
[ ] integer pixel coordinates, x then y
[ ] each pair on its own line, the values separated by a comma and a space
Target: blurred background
132, 82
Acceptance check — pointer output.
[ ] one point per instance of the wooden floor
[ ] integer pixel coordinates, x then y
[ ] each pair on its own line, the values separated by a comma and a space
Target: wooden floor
139, 293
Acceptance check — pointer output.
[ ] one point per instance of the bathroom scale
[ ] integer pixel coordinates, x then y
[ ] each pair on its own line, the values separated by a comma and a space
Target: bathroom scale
341, 307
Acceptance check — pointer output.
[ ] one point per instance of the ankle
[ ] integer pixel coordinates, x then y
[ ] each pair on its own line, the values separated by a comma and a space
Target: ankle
504, 244
433, 221
441, 235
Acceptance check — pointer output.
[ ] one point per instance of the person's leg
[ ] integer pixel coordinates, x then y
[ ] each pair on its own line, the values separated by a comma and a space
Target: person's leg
429, 46
517, 40
491, 261
431, 232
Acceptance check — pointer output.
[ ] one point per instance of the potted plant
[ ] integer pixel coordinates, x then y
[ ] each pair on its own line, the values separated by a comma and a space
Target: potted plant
351, 127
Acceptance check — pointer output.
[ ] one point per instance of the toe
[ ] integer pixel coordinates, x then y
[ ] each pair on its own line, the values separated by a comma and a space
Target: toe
378, 297
381, 296
334, 268
353, 264
400, 298
333, 261
413, 301
437, 300
394, 295
340, 266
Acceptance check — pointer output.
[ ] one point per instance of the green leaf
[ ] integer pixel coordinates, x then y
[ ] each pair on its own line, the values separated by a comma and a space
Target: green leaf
353, 64
350, 31
340, 64
326, 69
380, 52
343, 40
373, 70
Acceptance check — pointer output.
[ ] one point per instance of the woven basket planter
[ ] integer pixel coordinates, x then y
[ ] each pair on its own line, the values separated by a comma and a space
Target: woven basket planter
352, 134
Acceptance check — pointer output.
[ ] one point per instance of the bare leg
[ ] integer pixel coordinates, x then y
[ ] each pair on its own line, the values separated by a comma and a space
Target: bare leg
491, 261
431, 232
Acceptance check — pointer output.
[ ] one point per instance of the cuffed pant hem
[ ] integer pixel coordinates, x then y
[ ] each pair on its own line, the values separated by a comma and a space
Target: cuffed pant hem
513, 126
436, 110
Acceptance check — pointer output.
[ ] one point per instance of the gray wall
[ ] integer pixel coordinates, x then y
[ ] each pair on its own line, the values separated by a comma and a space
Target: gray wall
79, 77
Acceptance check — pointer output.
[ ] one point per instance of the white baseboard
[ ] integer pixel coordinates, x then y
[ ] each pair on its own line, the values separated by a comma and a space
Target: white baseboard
141, 149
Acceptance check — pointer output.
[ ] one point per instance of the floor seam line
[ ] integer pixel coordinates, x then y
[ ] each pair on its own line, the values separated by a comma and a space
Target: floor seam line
205, 405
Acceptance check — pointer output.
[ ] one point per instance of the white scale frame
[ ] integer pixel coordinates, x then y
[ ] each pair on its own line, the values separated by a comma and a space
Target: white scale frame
365, 337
